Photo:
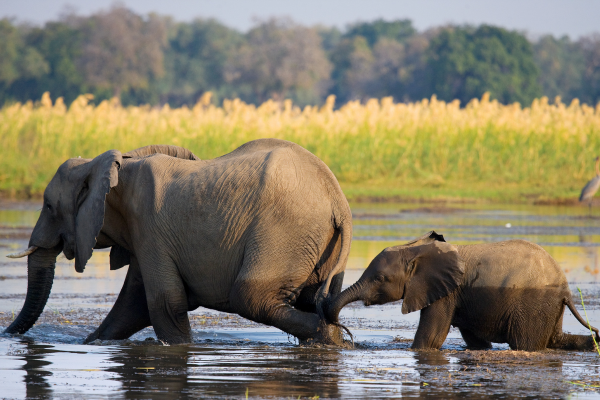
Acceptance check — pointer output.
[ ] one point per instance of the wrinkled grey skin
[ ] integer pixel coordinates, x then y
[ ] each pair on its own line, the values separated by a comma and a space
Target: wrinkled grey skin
508, 292
263, 232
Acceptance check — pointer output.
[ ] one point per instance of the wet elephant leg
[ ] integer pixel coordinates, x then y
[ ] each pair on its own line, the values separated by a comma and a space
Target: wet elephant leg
534, 320
336, 285
130, 312
167, 300
567, 341
434, 324
473, 341
264, 297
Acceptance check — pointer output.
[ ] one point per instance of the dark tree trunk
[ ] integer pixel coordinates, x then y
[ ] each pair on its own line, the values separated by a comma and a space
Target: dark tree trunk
40, 275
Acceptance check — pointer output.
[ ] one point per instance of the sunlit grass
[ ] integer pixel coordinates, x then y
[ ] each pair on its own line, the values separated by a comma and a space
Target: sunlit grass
381, 148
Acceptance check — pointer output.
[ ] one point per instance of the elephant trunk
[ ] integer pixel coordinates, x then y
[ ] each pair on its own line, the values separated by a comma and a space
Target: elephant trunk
353, 293
40, 275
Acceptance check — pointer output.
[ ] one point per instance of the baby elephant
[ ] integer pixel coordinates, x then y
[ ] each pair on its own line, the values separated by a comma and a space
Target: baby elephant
508, 292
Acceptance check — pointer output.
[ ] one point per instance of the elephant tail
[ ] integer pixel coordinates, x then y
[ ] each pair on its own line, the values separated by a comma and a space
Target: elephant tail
345, 228
569, 303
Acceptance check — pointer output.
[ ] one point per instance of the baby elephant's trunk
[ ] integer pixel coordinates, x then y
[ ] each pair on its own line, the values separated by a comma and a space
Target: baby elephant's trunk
333, 308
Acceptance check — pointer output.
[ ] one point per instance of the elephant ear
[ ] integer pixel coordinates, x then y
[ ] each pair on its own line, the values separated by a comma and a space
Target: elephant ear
429, 237
435, 270
102, 175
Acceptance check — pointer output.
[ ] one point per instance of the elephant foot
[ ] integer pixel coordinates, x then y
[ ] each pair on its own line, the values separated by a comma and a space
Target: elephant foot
330, 334
92, 336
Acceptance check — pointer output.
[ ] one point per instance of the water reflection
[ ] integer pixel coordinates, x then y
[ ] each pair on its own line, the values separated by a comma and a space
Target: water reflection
161, 371
222, 370
36, 382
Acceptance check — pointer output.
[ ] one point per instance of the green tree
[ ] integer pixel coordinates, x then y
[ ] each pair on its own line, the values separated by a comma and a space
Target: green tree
9, 52
352, 61
195, 61
20, 64
590, 46
561, 63
398, 30
465, 62
121, 50
280, 59
60, 45
376, 59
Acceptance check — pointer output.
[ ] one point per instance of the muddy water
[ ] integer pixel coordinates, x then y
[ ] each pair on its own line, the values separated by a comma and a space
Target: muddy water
232, 357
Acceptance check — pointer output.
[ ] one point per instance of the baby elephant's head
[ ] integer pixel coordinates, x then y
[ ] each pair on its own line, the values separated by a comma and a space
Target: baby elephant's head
419, 272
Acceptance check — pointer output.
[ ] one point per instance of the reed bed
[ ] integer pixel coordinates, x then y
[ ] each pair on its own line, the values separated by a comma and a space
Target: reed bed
386, 147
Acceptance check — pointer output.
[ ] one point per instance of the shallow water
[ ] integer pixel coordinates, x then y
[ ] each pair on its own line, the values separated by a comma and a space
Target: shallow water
231, 356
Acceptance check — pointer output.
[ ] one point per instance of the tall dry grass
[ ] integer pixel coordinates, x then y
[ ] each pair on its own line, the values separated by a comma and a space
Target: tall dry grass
429, 144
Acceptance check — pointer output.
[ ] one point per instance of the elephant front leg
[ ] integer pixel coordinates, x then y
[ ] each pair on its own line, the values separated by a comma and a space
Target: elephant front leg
434, 324
130, 312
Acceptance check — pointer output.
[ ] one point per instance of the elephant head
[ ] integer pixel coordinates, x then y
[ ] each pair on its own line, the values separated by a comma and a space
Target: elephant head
420, 272
71, 219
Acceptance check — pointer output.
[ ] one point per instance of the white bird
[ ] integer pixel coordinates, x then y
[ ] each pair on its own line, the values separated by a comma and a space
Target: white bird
590, 189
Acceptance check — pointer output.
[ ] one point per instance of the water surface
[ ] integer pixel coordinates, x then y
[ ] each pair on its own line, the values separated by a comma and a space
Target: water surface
232, 357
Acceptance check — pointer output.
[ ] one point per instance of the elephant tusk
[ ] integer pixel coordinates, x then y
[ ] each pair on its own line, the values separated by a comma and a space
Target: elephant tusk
23, 253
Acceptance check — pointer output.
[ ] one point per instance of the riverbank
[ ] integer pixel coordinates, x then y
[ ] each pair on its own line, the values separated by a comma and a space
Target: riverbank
395, 192
475, 193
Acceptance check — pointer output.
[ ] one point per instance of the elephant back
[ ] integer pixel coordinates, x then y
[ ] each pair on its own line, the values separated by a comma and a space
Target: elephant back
516, 264
173, 151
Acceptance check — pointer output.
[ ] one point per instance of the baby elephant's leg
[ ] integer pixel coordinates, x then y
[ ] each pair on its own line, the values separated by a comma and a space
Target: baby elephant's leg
434, 324
566, 341
533, 320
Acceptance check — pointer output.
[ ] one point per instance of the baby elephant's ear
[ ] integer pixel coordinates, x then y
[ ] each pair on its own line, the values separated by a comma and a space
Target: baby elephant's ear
435, 270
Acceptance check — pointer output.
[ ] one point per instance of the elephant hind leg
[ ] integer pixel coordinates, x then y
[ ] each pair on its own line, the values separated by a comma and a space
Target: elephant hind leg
566, 341
533, 322
271, 299
473, 341
267, 309
130, 312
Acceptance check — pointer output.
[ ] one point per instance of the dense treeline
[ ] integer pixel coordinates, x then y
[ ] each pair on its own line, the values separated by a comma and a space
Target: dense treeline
156, 60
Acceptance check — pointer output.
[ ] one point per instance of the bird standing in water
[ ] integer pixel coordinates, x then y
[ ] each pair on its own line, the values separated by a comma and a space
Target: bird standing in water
591, 187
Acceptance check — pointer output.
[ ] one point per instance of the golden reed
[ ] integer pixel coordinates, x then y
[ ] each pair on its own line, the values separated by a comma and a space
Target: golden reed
381, 144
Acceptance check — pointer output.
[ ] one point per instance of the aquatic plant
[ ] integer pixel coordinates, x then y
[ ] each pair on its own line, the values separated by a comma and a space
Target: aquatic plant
379, 147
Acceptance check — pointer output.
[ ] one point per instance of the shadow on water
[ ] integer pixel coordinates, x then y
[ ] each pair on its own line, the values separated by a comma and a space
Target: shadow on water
232, 356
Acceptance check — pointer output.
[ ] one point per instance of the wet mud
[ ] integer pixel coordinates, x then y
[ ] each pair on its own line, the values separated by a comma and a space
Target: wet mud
232, 357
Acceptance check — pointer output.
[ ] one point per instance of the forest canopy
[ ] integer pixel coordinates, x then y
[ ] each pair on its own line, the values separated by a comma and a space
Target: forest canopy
155, 60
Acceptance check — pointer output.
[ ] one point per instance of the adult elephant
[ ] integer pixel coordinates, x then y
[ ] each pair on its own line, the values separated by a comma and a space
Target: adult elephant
507, 292
263, 232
